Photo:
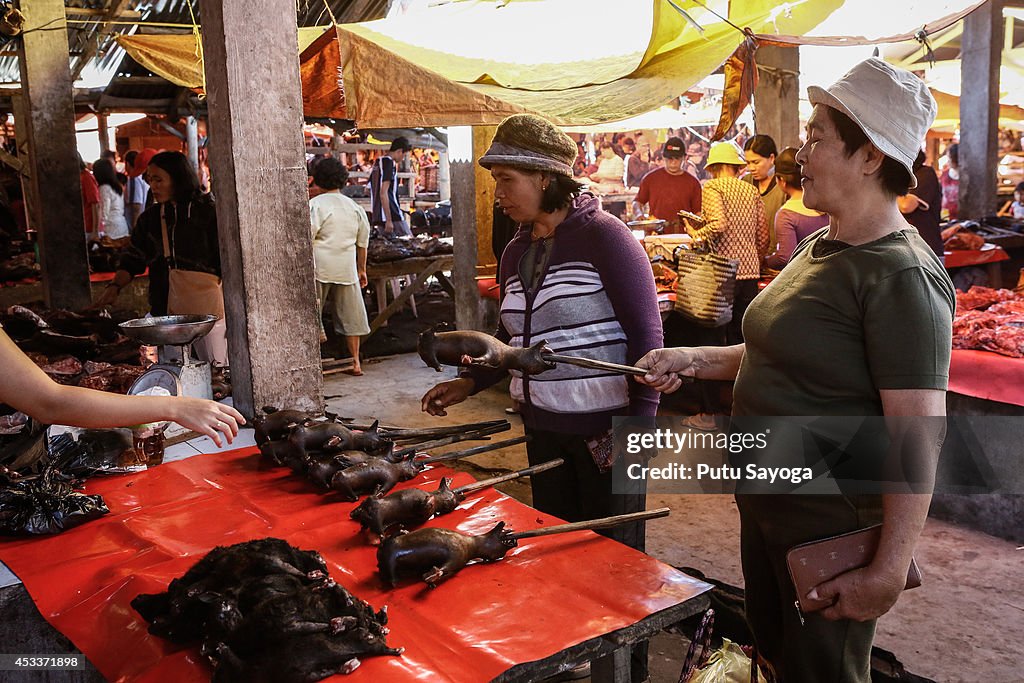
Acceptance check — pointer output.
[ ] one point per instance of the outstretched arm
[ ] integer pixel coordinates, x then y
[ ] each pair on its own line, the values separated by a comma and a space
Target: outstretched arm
28, 389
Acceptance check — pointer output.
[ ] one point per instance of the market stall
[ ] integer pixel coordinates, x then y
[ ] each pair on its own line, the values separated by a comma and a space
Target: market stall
508, 621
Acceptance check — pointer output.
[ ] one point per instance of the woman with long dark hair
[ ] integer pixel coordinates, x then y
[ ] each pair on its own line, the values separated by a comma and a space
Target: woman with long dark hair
177, 240
115, 226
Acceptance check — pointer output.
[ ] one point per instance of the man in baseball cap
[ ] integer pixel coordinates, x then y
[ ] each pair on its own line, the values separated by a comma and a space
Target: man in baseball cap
666, 191
385, 210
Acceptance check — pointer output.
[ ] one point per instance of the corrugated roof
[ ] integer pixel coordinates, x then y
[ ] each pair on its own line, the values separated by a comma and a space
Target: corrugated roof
95, 54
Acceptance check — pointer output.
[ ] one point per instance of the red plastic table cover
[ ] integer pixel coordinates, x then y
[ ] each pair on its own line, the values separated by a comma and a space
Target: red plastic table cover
991, 253
987, 375
548, 594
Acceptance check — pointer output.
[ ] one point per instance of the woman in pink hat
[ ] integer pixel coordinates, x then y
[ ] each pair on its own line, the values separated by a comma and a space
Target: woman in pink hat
857, 327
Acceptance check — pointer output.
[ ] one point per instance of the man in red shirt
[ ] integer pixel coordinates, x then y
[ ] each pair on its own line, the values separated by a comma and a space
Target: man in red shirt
670, 189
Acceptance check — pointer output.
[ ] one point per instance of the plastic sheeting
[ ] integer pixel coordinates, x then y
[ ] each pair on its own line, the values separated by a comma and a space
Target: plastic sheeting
389, 82
987, 375
548, 594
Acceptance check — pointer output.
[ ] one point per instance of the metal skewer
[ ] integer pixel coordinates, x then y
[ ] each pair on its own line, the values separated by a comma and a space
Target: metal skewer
595, 364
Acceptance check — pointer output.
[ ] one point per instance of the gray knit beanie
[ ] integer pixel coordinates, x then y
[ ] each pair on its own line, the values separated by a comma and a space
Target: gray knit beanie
531, 142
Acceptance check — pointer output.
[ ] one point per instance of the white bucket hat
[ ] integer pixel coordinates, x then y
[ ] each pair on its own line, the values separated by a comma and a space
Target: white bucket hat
891, 105
725, 152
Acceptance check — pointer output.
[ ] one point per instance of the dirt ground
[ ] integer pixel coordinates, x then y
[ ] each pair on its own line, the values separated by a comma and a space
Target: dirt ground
965, 624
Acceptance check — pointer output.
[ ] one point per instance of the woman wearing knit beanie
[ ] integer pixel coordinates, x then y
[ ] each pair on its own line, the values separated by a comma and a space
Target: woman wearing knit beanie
575, 277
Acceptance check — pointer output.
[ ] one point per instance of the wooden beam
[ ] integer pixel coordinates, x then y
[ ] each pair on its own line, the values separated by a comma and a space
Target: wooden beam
467, 298
777, 95
21, 138
103, 131
981, 54
358, 10
265, 244
90, 12
115, 12
13, 161
49, 111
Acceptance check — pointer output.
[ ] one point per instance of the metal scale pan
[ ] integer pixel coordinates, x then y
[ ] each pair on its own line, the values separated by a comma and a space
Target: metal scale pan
174, 334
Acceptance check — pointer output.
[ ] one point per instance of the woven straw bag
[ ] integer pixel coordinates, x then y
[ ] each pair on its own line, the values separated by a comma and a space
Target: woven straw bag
706, 286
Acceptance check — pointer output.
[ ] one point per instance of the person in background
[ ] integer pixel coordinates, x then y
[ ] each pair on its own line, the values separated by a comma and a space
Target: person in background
735, 227
760, 152
341, 234
610, 169
136, 194
638, 164
386, 212
950, 182
115, 227
90, 201
575, 274
1014, 208
669, 190
879, 306
111, 156
794, 221
922, 205
696, 154
177, 240
26, 388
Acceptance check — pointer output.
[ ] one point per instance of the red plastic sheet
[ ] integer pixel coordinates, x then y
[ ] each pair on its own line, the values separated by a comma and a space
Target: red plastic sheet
976, 257
987, 375
546, 595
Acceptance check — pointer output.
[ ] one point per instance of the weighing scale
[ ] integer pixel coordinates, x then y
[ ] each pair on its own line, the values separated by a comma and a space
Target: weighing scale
174, 335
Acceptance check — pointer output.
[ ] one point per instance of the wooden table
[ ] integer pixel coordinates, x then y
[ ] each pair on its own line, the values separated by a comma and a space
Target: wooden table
422, 267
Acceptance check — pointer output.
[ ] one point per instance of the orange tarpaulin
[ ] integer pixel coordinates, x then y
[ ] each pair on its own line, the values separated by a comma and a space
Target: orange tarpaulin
548, 594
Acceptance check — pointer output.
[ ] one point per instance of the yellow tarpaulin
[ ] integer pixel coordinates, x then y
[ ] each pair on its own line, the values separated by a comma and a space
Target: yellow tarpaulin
388, 82
178, 57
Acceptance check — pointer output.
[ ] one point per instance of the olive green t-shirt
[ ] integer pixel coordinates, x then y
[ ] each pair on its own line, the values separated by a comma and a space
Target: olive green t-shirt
831, 331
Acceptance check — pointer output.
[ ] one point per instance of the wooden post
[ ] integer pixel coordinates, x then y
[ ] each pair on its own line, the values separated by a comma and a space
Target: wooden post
46, 83
486, 263
257, 160
103, 131
472, 193
777, 96
980, 57
192, 141
467, 298
444, 174
22, 133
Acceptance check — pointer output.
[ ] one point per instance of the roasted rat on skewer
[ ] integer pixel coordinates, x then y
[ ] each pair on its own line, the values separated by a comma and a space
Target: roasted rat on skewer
380, 476
442, 552
412, 507
466, 347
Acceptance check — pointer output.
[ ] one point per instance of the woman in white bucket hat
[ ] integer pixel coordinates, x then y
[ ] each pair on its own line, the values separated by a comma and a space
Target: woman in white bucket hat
858, 324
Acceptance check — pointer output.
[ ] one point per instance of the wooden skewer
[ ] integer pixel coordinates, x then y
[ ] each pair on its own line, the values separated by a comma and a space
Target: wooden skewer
481, 434
484, 483
602, 523
476, 450
595, 364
